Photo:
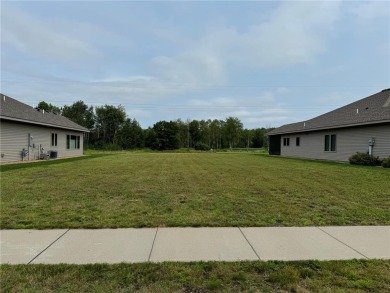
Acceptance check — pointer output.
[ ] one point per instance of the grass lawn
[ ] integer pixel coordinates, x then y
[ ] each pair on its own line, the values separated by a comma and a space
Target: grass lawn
136, 189
308, 276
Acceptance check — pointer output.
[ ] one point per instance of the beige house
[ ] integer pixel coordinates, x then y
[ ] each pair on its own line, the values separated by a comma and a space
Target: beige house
362, 126
31, 134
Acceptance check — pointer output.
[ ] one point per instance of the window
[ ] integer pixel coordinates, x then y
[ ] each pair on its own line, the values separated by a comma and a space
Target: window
330, 143
298, 141
286, 141
72, 142
54, 139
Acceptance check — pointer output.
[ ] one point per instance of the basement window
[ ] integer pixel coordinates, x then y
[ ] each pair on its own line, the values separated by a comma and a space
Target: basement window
54, 139
286, 141
330, 143
73, 142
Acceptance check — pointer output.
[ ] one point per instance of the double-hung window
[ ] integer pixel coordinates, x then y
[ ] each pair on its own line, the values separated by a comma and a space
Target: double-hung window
330, 143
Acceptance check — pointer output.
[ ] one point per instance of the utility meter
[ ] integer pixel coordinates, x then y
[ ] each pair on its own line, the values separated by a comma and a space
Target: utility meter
371, 141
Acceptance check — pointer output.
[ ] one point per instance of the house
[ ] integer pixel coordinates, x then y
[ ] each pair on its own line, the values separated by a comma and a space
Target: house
362, 126
31, 134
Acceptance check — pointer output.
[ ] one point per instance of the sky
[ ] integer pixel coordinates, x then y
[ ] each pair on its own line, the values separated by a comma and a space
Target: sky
268, 63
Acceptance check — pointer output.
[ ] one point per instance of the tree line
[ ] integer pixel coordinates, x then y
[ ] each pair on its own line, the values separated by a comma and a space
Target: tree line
110, 128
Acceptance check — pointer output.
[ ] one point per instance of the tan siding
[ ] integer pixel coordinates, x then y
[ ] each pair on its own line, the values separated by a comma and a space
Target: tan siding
349, 141
14, 138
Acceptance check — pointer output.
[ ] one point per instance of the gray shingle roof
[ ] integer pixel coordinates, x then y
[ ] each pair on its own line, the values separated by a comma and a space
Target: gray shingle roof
371, 110
12, 109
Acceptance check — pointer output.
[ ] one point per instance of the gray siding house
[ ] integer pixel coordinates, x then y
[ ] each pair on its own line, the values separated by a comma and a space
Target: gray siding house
362, 126
31, 134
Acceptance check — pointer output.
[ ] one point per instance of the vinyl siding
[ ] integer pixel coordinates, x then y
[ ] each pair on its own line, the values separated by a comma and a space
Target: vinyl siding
14, 138
348, 142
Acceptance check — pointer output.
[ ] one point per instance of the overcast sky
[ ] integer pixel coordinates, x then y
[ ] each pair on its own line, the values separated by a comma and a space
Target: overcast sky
267, 62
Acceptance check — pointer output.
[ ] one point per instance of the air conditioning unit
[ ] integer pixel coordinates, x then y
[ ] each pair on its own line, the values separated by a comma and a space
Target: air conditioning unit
53, 154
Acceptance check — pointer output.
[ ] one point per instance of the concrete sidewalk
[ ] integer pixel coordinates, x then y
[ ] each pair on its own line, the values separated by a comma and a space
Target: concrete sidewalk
193, 244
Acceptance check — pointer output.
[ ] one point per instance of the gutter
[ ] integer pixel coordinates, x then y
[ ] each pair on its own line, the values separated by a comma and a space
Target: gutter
327, 127
43, 124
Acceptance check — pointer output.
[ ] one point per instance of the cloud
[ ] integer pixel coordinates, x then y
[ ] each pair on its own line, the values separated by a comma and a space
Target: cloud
371, 10
291, 34
138, 114
194, 67
251, 110
33, 37
295, 33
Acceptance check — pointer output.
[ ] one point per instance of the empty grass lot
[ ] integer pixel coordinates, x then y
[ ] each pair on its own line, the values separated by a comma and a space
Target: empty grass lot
136, 189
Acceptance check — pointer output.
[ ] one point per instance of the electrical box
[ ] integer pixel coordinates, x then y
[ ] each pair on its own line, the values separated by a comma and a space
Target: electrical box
371, 141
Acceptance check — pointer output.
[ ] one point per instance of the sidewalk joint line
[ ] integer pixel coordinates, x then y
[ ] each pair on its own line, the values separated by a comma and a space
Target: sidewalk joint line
48, 246
343, 243
150, 254
249, 243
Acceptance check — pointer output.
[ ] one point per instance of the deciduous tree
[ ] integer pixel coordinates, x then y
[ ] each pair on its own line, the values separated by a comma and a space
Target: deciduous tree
109, 120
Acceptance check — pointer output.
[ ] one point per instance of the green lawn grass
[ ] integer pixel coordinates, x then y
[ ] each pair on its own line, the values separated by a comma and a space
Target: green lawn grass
141, 189
304, 276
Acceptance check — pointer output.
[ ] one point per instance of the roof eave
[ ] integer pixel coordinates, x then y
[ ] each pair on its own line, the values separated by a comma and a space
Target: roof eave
332, 127
43, 124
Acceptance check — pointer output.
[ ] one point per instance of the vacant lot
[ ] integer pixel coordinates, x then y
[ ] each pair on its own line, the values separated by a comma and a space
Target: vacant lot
130, 189
309, 276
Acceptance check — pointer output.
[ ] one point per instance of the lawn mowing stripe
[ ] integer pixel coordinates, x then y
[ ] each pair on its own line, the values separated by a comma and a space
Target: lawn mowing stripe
48, 246
343, 243
150, 254
249, 243
200, 189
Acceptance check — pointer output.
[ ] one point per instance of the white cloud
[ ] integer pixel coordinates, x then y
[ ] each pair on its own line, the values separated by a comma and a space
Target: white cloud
292, 34
193, 67
371, 10
251, 110
138, 114
33, 37
295, 33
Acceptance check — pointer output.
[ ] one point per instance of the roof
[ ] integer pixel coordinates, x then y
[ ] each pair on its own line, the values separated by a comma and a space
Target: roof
14, 110
371, 110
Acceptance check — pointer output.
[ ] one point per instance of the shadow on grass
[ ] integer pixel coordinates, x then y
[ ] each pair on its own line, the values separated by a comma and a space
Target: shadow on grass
11, 167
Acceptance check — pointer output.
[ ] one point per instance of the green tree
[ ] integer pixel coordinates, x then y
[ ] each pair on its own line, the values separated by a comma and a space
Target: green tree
165, 136
80, 113
204, 128
246, 138
258, 138
131, 135
233, 128
216, 133
109, 120
42, 105
149, 137
195, 135
184, 134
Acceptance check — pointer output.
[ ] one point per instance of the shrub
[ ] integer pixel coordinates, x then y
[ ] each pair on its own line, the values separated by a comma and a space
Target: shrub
202, 147
386, 163
364, 159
